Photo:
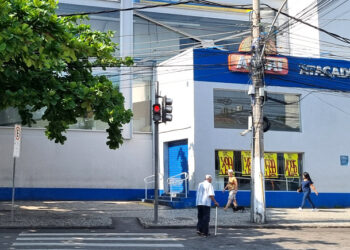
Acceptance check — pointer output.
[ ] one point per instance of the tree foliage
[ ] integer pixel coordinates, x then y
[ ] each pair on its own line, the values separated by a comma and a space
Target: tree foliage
46, 62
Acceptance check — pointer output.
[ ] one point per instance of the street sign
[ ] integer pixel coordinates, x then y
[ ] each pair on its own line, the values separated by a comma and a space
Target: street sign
17, 142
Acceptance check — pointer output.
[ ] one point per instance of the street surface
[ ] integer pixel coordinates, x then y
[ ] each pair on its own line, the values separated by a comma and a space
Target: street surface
128, 234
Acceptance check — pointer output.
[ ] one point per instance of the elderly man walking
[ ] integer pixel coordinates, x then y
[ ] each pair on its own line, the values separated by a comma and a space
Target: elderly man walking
205, 194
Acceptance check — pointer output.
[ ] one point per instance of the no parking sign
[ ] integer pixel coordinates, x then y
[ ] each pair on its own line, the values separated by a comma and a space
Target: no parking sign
17, 142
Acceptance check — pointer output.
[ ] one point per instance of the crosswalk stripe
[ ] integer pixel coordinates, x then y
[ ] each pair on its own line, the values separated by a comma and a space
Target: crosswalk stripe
110, 240
93, 234
96, 239
46, 244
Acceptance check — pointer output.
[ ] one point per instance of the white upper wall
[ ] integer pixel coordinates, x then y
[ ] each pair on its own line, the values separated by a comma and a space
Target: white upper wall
84, 161
175, 78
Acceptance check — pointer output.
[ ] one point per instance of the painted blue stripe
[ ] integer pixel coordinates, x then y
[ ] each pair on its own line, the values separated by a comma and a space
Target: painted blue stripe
278, 199
73, 194
284, 199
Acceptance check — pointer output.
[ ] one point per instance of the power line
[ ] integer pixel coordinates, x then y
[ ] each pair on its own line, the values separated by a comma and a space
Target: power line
143, 7
126, 9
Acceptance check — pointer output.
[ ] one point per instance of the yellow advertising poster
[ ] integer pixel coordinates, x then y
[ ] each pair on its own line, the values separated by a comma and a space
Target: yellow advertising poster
226, 162
291, 169
271, 169
246, 159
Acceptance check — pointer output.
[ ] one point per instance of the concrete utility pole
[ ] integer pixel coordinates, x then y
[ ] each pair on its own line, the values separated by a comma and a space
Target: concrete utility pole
258, 207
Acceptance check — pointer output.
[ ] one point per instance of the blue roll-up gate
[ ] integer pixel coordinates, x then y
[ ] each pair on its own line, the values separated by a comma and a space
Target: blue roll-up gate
178, 163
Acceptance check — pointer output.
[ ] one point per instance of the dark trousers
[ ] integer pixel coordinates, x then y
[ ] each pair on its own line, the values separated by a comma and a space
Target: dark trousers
307, 197
203, 219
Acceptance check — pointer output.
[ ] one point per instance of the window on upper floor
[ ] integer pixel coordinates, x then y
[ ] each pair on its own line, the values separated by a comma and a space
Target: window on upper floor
232, 109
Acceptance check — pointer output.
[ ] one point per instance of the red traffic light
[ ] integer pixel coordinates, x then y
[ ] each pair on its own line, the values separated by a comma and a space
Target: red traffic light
157, 115
156, 108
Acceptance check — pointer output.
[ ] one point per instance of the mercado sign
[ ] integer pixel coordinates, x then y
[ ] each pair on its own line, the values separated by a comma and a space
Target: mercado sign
285, 71
226, 162
273, 64
324, 71
291, 166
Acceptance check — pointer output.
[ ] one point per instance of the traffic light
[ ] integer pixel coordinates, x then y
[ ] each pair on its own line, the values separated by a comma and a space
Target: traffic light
156, 110
167, 110
266, 124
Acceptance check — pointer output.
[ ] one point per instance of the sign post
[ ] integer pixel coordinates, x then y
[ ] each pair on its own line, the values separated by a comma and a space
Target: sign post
16, 153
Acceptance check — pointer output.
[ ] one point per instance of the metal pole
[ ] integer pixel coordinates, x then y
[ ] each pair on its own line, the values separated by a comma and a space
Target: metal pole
13, 188
258, 206
156, 159
216, 220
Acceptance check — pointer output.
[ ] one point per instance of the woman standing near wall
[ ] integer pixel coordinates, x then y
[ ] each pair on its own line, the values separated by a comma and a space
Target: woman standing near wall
306, 186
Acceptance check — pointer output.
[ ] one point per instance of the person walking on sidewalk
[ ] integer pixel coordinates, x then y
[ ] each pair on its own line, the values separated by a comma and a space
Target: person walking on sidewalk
205, 195
232, 187
306, 186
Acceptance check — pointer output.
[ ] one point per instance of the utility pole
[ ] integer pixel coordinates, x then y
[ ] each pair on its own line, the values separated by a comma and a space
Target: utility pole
258, 206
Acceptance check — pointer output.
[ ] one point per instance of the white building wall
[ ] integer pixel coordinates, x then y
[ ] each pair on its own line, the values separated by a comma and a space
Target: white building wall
175, 78
84, 161
322, 140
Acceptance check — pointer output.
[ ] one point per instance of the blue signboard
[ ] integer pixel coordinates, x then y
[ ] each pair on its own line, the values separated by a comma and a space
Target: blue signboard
211, 65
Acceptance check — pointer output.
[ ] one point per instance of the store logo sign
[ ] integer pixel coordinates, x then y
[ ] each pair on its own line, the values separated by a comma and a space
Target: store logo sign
325, 71
273, 65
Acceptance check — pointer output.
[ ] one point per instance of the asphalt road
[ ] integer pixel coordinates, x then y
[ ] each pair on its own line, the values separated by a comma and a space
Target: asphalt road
128, 234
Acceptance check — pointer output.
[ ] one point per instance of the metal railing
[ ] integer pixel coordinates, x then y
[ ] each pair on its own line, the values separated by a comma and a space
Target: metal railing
150, 179
177, 180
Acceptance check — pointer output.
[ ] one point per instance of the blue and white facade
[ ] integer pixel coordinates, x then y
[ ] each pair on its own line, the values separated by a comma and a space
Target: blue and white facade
85, 169
315, 128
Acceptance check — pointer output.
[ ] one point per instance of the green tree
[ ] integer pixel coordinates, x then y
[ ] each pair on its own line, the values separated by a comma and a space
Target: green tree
46, 62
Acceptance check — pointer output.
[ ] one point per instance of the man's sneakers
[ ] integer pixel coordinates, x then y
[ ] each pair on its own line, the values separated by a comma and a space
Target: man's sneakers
300, 208
203, 234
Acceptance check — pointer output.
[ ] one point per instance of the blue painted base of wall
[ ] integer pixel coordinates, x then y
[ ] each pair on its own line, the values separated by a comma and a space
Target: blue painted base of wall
72, 194
286, 199
276, 199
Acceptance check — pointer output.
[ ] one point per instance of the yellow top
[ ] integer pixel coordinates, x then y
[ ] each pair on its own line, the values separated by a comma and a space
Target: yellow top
231, 183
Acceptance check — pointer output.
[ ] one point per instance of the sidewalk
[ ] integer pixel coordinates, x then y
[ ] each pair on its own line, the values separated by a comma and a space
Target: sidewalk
99, 214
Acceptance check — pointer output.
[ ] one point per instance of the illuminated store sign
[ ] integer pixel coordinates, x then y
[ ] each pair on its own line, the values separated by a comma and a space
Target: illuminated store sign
273, 65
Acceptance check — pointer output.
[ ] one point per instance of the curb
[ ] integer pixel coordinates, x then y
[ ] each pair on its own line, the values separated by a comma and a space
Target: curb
243, 226
54, 227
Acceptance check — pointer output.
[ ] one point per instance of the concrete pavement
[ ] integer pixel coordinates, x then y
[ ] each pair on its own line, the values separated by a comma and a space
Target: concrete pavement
100, 214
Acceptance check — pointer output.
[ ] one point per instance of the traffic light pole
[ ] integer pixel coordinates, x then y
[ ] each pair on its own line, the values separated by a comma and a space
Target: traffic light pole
258, 207
156, 159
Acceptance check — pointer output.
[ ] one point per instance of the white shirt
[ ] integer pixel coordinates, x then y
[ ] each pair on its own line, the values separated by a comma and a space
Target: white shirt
205, 189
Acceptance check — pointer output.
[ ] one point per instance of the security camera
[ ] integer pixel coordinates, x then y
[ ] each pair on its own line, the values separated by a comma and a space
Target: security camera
243, 133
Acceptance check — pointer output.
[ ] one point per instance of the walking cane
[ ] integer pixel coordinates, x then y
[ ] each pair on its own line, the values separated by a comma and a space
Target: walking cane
216, 220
